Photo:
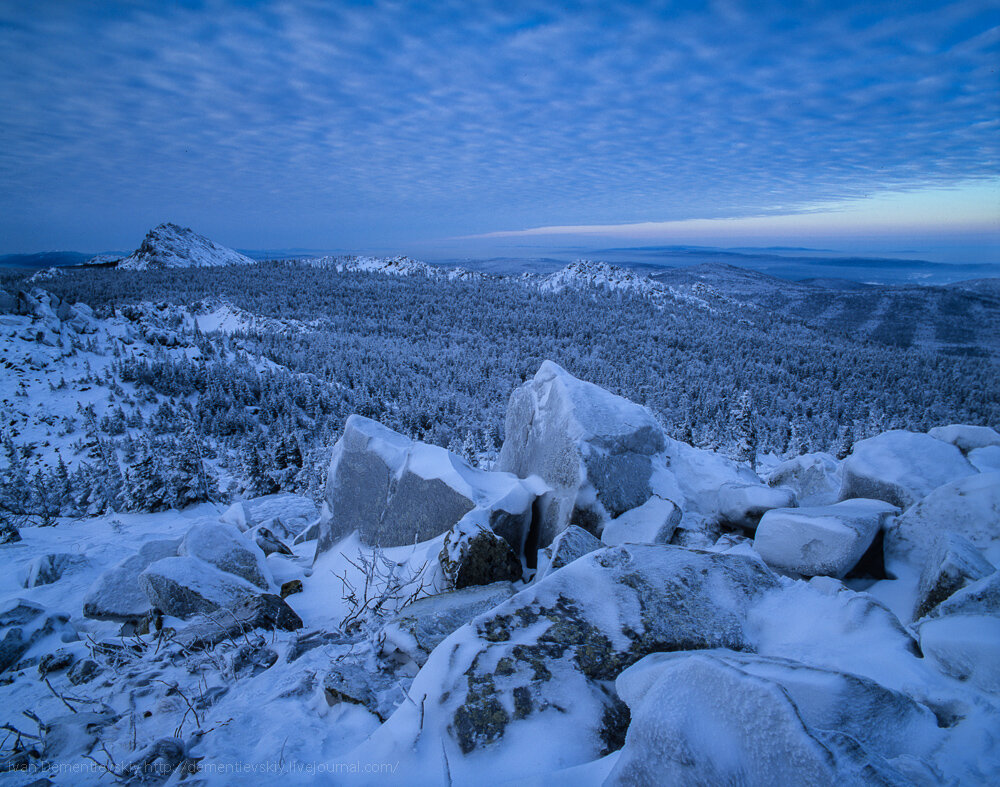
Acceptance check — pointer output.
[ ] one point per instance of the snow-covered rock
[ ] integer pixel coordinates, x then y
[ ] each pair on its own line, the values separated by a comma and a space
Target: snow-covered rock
46, 569
985, 460
116, 594
966, 647
596, 450
395, 491
572, 543
224, 547
474, 555
814, 478
537, 668
969, 507
185, 586
423, 625
171, 246
827, 540
295, 511
719, 717
966, 438
267, 611
981, 597
651, 523
586, 274
25, 627
901, 467
954, 563
742, 505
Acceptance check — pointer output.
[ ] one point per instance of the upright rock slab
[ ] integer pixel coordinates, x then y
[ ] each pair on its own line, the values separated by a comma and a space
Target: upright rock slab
901, 467
396, 492
954, 564
596, 450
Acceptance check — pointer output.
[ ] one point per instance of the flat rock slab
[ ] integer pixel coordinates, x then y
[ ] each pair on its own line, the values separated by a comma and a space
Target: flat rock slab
186, 586
116, 595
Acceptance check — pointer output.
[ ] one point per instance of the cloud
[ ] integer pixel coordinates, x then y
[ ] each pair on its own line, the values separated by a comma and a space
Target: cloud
312, 123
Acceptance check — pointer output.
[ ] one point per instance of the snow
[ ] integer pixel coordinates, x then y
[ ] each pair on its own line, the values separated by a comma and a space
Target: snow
651, 523
171, 246
985, 460
966, 647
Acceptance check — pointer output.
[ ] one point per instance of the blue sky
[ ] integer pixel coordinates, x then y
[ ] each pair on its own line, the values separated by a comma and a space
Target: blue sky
395, 125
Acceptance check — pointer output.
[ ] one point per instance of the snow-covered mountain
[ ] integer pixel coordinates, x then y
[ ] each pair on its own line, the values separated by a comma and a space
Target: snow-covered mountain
171, 246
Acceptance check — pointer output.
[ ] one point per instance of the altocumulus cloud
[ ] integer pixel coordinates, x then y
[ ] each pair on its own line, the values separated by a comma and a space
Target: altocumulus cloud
348, 124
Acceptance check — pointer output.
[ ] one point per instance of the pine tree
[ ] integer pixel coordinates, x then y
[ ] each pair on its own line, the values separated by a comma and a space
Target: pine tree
744, 430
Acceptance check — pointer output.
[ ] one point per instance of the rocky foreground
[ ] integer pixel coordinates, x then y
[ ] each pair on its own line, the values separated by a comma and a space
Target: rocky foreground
608, 605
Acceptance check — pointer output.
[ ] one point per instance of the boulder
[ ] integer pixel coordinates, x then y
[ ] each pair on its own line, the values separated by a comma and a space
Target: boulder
225, 548
723, 718
268, 542
901, 467
981, 597
653, 522
544, 658
572, 543
352, 682
954, 563
295, 511
966, 438
742, 505
116, 594
267, 611
46, 569
420, 627
596, 450
474, 555
396, 492
185, 586
985, 460
969, 507
966, 647
814, 478
25, 624
828, 540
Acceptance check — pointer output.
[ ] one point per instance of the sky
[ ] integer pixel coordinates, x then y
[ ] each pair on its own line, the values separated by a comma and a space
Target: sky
467, 125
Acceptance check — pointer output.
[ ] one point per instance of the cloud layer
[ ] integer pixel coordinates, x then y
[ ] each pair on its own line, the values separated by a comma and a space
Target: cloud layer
367, 124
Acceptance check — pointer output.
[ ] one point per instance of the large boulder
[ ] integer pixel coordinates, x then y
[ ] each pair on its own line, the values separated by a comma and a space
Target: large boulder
116, 595
968, 507
653, 522
901, 467
742, 505
420, 627
985, 460
828, 540
718, 717
596, 450
394, 491
186, 586
966, 438
225, 548
954, 564
545, 658
814, 478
